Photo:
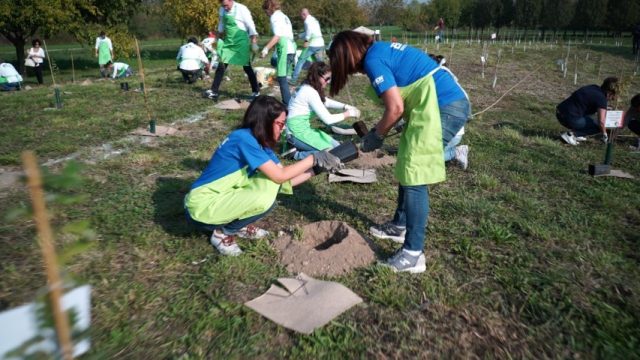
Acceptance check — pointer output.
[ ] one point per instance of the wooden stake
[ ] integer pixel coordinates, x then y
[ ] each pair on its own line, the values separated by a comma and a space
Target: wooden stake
50, 61
73, 71
144, 90
45, 237
575, 69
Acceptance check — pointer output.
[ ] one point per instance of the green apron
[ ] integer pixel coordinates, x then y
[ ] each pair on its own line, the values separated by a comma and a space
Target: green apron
282, 48
420, 154
235, 196
300, 127
104, 54
235, 47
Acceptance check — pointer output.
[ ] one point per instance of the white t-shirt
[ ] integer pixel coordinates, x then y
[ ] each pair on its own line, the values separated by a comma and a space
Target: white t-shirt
106, 39
36, 55
241, 13
281, 26
9, 72
119, 67
312, 32
307, 99
191, 57
208, 43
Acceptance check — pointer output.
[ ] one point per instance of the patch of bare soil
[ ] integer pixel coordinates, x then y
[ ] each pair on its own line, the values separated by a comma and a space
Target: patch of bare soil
372, 160
8, 178
324, 248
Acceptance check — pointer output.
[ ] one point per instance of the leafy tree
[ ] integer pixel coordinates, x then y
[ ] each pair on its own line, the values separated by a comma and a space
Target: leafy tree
527, 13
502, 13
481, 17
417, 16
557, 14
449, 10
23, 19
622, 14
384, 12
589, 14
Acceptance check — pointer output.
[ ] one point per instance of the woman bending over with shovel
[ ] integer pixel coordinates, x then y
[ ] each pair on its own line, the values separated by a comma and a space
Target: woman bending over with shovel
435, 108
308, 102
239, 185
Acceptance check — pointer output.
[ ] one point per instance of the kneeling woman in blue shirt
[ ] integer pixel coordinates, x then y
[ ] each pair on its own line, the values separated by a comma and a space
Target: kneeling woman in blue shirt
435, 107
243, 177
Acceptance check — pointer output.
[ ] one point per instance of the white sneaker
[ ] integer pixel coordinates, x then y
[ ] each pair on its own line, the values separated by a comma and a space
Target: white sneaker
226, 244
581, 138
462, 156
569, 138
252, 232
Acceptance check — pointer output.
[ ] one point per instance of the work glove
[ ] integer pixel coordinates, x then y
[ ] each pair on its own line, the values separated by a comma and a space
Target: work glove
255, 48
353, 111
264, 52
371, 141
605, 138
325, 161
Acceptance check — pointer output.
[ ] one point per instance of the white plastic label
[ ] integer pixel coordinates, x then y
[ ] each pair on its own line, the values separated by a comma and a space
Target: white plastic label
614, 119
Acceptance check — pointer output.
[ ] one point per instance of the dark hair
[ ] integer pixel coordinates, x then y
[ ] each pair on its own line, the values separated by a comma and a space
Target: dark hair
438, 59
314, 74
34, 41
635, 101
192, 40
260, 117
271, 5
346, 53
610, 86
103, 34
109, 63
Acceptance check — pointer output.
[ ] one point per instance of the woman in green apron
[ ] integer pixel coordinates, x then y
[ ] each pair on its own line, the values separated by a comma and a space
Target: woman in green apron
414, 87
240, 184
104, 52
309, 102
282, 40
237, 36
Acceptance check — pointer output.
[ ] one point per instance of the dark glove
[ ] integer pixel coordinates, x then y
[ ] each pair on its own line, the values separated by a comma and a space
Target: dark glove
325, 161
371, 141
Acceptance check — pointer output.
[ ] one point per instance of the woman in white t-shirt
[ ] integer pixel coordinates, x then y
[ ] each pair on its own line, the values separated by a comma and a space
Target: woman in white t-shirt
310, 101
35, 58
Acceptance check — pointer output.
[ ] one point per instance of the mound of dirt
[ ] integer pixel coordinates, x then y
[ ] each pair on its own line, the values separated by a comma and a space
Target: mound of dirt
324, 248
372, 160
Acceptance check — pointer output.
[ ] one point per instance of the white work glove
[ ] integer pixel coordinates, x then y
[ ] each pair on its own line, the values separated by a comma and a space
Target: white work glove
352, 111
255, 48
605, 137
264, 52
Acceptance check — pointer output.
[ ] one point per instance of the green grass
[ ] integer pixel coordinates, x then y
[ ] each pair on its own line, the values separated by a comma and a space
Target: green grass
527, 255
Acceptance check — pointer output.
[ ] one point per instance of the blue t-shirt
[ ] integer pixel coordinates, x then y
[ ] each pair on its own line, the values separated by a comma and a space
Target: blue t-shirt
238, 150
395, 64
584, 101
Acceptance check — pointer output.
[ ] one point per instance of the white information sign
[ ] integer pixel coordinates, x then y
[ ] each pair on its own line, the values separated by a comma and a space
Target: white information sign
614, 119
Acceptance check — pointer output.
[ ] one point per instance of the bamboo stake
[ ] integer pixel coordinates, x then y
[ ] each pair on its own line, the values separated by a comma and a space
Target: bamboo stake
73, 71
575, 69
144, 86
50, 61
45, 238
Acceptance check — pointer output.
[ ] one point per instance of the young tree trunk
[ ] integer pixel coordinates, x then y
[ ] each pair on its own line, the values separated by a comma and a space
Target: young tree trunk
19, 45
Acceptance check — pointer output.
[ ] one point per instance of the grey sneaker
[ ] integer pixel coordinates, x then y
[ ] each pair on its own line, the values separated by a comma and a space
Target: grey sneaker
390, 231
252, 232
569, 138
402, 261
462, 156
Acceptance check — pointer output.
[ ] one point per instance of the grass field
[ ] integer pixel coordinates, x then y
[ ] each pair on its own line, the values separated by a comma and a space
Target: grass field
527, 255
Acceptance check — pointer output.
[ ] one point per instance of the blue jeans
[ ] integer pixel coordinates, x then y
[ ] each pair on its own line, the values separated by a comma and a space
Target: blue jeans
282, 80
453, 117
10, 86
304, 149
450, 148
582, 126
311, 50
413, 212
232, 227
